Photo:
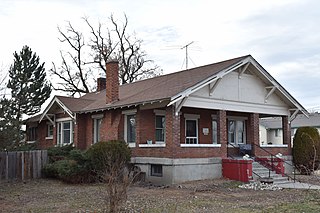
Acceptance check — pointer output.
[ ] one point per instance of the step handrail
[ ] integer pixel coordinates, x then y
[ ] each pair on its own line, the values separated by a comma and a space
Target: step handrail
274, 156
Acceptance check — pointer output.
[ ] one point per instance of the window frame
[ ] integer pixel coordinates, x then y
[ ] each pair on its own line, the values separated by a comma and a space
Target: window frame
61, 130
236, 132
194, 139
162, 129
214, 133
96, 127
127, 114
50, 130
96, 130
156, 170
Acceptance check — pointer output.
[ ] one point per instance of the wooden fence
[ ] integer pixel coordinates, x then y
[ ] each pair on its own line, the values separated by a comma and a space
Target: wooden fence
22, 165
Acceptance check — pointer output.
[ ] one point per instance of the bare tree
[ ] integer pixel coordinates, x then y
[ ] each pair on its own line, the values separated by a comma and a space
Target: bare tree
72, 71
81, 65
131, 56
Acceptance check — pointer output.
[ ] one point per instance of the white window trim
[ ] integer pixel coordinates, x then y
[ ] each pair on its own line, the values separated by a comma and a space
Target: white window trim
126, 113
49, 137
214, 119
192, 118
235, 119
95, 130
58, 120
71, 131
201, 145
274, 146
158, 113
157, 145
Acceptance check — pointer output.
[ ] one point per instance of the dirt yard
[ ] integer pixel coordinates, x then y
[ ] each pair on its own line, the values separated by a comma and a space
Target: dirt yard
198, 196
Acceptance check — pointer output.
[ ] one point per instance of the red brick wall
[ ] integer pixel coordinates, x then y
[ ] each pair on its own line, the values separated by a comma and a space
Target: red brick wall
175, 135
205, 121
253, 130
43, 143
112, 82
83, 131
222, 131
286, 131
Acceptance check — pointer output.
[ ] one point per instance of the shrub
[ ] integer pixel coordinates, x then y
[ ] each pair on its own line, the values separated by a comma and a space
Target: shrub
70, 171
306, 149
103, 155
50, 171
110, 160
59, 152
69, 165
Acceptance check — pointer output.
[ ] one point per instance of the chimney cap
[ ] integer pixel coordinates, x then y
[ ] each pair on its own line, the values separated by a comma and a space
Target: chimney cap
112, 61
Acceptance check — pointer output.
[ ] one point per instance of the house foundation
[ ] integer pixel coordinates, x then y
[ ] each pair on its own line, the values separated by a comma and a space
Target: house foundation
179, 170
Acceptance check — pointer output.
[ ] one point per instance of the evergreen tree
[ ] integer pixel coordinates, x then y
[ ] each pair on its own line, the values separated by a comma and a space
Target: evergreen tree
8, 125
28, 84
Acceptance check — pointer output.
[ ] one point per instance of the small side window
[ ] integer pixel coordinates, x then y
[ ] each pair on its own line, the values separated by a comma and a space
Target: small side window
156, 170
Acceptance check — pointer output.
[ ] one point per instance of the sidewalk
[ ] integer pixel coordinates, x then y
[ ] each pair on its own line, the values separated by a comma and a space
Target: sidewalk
298, 185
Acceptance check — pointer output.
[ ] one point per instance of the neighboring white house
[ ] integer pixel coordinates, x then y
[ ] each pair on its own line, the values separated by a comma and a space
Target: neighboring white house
271, 128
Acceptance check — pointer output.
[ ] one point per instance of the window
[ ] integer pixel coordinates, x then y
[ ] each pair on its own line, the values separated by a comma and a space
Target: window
131, 128
160, 128
236, 131
277, 133
49, 131
65, 133
214, 132
96, 129
191, 131
32, 132
156, 170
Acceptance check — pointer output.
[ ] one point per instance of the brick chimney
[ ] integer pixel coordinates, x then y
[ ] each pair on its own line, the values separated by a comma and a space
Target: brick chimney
112, 81
101, 84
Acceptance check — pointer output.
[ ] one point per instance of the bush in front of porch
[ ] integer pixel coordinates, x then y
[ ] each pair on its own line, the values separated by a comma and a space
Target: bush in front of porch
306, 150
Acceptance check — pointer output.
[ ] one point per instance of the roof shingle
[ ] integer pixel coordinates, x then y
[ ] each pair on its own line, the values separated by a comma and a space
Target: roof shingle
153, 89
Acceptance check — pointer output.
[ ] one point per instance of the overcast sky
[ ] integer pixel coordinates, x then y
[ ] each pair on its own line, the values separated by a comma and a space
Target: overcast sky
283, 36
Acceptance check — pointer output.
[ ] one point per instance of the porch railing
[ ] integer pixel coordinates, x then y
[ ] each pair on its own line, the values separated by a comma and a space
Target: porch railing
271, 166
268, 163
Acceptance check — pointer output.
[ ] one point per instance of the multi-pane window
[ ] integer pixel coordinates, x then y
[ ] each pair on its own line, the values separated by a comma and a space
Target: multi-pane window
65, 132
191, 131
96, 129
160, 128
214, 132
49, 130
131, 128
156, 170
236, 131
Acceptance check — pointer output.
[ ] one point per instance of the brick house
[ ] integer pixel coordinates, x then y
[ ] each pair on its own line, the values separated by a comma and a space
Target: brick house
181, 125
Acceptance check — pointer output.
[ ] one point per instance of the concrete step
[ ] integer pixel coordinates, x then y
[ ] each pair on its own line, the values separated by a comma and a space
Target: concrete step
261, 172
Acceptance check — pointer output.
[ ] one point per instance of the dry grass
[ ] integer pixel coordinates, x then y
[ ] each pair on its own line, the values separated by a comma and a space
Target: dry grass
198, 196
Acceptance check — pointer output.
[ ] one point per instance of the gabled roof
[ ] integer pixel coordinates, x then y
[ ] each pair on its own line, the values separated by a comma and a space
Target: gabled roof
171, 87
158, 88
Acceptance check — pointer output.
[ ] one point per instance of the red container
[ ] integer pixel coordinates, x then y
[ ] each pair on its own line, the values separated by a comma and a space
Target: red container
240, 170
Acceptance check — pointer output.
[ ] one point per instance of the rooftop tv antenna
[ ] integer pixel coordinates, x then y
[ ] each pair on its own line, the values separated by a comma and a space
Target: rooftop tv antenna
186, 47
